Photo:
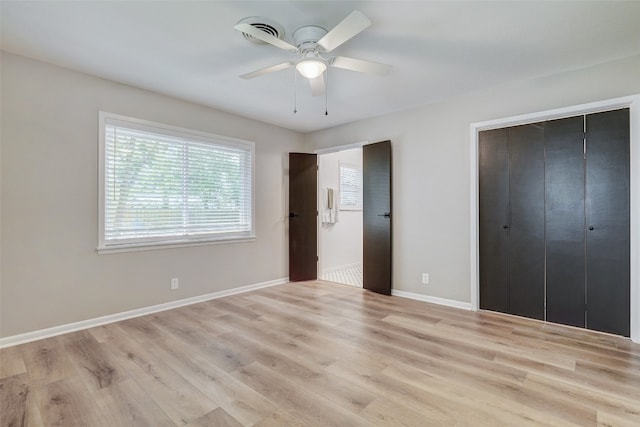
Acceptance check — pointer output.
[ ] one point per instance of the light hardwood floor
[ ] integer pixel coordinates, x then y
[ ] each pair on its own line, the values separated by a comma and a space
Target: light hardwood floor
317, 353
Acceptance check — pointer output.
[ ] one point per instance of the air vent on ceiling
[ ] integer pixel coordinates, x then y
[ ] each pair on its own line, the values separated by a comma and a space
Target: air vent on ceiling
265, 24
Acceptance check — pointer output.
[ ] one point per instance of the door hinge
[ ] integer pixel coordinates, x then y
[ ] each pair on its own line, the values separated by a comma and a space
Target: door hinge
317, 167
317, 258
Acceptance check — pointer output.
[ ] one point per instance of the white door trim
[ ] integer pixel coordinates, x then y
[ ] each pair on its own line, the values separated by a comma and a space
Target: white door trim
633, 103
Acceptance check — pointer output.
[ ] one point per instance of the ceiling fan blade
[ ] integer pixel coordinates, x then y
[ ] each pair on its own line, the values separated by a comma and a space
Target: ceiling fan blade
360, 65
265, 37
266, 70
317, 85
354, 23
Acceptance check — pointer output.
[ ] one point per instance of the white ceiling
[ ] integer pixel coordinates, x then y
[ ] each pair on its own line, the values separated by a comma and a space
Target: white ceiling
189, 49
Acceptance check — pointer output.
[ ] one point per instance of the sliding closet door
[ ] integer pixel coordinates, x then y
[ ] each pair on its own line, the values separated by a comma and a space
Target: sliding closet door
554, 223
526, 243
493, 156
565, 221
607, 214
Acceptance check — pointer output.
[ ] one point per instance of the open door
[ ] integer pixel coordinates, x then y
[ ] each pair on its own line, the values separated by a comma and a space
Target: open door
303, 217
376, 212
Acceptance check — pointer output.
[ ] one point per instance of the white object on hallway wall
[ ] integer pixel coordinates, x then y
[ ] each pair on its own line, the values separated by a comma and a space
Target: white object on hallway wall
329, 206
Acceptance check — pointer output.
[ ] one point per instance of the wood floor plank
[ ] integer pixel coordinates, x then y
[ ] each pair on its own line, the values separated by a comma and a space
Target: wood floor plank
538, 350
436, 406
218, 417
302, 371
304, 404
92, 361
47, 361
387, 413
627, 408
179, 399
126, 404
316, 354
301, 312
598, 353
606, 419
514, 398
200, 341
12, 362
236, 398
14, 392
591, 381
258, 330
68, 402
326, 343
100, 333
280, 419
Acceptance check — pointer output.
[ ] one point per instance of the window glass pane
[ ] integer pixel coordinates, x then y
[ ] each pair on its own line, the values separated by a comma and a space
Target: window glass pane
164, 187
350, 187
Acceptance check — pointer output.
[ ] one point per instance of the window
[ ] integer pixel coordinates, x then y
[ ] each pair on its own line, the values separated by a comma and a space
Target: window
350, 187
161, 185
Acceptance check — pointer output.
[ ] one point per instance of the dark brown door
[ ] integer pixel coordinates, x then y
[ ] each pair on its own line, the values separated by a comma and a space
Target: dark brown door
376, 215
526, 226
564, 144
607, 221
581, 166
303, 217
493, 155
511, 177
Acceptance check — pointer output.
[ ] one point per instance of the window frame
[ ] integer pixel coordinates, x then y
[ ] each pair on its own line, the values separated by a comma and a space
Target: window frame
104, 246
358, 168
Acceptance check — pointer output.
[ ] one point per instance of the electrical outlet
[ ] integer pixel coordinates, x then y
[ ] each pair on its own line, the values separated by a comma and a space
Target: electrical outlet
174, 283
425, 278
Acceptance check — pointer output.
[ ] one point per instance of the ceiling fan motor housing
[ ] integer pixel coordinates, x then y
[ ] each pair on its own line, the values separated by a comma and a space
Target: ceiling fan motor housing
306, 38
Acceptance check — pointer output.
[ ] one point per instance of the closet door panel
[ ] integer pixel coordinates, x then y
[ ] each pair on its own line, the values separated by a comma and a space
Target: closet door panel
526, 246
565, 221
493, 153
607, 210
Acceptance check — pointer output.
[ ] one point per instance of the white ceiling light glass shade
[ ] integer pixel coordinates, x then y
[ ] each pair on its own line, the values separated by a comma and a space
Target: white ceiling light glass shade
311, 68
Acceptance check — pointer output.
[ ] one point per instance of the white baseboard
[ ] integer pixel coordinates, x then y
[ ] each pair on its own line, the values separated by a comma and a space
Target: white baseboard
111, 318
434, 300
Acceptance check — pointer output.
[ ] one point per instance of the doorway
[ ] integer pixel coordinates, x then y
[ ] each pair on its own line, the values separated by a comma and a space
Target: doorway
340, 222
304, 207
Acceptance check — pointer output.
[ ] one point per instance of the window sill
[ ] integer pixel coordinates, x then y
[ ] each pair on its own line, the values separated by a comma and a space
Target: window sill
154, 246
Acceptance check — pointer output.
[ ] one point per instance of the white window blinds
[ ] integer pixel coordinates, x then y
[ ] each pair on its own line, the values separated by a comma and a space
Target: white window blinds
350, 187
164, 185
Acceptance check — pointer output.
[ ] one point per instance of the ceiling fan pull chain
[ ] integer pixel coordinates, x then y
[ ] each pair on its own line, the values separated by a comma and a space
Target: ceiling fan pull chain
326, 89
295, 92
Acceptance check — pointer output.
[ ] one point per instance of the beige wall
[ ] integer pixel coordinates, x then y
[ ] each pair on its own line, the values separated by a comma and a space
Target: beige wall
431, 170
51, 274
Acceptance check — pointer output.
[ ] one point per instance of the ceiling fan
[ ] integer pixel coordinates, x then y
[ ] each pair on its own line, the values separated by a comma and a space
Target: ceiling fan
312, 43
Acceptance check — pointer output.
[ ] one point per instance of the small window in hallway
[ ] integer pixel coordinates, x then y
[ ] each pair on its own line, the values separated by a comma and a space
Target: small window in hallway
350, 187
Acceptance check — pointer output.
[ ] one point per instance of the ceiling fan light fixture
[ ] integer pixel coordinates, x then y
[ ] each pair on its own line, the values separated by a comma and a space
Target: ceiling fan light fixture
311, 68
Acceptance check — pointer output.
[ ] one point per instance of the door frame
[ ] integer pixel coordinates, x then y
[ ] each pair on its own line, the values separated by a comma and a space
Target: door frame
633, 103
320, 152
